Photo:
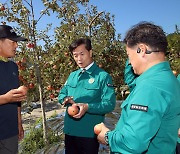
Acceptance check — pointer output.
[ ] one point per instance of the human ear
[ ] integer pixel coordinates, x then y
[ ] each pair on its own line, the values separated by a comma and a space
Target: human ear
142, 48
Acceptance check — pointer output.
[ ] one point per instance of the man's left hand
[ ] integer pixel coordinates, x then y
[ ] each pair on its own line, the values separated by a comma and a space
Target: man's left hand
82, 109
101, 135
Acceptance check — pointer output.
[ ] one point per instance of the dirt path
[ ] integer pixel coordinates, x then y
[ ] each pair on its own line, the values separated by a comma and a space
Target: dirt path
52, 108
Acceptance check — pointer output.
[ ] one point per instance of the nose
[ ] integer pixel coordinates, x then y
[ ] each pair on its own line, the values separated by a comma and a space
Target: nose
79, 58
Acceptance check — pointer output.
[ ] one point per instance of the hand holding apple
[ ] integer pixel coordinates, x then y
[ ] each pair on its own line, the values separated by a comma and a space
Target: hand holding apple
14, 95
83, 107
101, 135
68, 100
73, 110
98, 128
23, 89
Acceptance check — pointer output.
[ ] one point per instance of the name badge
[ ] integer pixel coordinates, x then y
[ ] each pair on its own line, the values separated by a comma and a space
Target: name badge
91, 80
139, 107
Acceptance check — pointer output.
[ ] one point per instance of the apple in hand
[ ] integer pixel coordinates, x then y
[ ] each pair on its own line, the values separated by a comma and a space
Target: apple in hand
23, 89
98, 128
73, 110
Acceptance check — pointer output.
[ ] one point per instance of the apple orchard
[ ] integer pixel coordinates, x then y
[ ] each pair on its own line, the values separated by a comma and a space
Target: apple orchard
45, 62
50, 63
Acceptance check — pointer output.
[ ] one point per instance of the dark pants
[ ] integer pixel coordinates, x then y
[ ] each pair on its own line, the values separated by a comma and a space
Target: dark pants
81, 145
9, 145
178, 148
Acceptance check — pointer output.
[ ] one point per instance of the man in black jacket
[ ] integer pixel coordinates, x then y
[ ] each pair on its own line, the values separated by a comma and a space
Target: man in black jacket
10, 97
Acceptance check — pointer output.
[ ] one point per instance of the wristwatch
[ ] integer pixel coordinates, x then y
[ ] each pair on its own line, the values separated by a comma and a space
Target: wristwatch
106, 138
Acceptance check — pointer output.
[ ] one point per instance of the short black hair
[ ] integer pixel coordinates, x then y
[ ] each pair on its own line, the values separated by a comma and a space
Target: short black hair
79, 42
149, 34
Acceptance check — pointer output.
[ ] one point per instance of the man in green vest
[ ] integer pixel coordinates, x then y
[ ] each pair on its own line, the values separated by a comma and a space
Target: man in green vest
91, 90
150, 115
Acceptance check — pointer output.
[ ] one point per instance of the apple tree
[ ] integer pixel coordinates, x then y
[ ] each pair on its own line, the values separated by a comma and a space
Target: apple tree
174, 50
86, 21
29, 56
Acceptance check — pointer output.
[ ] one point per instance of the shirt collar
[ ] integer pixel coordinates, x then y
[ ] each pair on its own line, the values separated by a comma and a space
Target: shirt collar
91, 68
87, 67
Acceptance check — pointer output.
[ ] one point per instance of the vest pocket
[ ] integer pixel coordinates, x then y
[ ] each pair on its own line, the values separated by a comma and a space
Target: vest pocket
92, 90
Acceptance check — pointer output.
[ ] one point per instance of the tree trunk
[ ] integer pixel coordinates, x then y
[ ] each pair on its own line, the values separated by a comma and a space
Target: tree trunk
39, 83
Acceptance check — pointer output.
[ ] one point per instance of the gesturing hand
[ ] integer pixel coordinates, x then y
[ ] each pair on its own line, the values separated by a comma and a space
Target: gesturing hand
101, 135
67, 100
14, 95
82, 109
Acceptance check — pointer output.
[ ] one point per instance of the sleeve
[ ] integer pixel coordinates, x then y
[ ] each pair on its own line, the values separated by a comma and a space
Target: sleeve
108, 98
129, 76
63, 93
134, 134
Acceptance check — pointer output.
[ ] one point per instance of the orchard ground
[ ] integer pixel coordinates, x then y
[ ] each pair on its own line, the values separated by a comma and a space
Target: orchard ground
52, 108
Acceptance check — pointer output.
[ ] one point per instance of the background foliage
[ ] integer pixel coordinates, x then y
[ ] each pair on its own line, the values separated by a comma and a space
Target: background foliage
45, 62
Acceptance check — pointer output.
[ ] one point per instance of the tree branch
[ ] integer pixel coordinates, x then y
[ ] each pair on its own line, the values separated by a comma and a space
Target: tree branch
90, 24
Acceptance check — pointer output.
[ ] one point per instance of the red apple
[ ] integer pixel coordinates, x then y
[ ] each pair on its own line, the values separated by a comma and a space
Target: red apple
66, 54
73, 110
19, 63
31, 86
49, 87
22, 68
23, 60
97, 128
32, 75
23, 89
52, 96
30, 45
21, 77
57, 90
2, 8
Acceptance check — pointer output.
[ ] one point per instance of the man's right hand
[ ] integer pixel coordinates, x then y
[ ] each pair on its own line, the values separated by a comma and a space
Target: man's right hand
68, 100
14, 95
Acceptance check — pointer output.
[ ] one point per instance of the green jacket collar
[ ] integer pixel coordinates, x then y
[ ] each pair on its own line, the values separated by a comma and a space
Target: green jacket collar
154, 70
92, 68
